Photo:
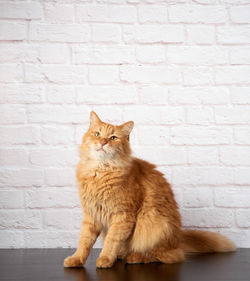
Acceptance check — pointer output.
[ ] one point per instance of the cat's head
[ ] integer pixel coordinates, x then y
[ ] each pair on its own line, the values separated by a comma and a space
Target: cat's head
106, 143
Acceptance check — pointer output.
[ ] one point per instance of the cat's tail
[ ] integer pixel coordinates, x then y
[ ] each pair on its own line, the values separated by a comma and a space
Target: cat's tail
198, 241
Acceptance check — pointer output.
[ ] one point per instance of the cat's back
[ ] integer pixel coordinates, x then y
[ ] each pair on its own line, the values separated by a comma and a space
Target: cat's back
146, 172
154, 185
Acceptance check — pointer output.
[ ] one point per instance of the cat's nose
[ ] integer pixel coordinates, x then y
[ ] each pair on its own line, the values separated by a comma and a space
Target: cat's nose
103, 142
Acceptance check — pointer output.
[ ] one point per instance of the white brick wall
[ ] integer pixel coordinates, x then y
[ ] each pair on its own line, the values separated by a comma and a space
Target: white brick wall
180, 69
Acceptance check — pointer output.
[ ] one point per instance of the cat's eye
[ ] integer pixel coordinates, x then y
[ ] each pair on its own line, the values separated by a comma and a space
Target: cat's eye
97, 134
113, 137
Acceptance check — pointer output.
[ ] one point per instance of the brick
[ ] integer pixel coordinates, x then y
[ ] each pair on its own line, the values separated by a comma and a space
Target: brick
225, 75
201, 135
61, 94
209, 217
106, 13
60, 177
198, 76
113, 1
21, 10
154, 115
113, 94
235, 155
194, 55
197, 14
106, 33
21, 219
64, 74
131, 1
57, 135
233, 34
154, 94
33, 73
199, 95
11, 199
82, 54
109, 113
197, 197
237, 1
204, 1
51, 198
242, 135
242, 176
240, 14
239, 55
12, 114
11, 73
152, 14
128, 33
53, 157
232, 115
51, 239
77, 216
58, 33
54, 53
58, 114
240, 95
232, 197
21, 177
11, 239
57, 219
19, 135
147, 74
198, 115
153, 135
150, 53
201, 34
13, 31
162, 155
203, 175
21, 93
243, 218
159, 34
18, 52
59, 13
164, 1
201, 156
13, 157
103, 75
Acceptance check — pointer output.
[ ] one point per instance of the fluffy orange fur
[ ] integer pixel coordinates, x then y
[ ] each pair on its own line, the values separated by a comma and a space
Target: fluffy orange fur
131, 204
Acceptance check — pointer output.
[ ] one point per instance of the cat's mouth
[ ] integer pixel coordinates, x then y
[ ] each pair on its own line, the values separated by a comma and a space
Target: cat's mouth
101, 149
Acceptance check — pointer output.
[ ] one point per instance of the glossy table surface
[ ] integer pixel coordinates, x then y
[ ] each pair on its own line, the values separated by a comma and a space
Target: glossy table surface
47, 264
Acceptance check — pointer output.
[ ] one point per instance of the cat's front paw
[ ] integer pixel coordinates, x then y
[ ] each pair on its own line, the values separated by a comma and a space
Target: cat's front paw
104, 262
72, 261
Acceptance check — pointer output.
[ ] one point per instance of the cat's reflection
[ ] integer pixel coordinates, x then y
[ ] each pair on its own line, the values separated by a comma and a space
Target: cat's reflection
124, 272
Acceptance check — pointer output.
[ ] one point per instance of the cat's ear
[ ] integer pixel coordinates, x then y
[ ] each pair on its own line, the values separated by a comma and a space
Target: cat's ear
127, 127
94, 119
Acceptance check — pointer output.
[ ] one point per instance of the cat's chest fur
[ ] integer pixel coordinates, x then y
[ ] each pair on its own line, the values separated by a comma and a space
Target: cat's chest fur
101, 194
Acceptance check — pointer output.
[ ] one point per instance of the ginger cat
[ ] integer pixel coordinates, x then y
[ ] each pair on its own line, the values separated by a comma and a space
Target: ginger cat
131, 204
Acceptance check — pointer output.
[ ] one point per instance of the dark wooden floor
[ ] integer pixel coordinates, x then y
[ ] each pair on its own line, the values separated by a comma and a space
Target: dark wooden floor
47, 264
